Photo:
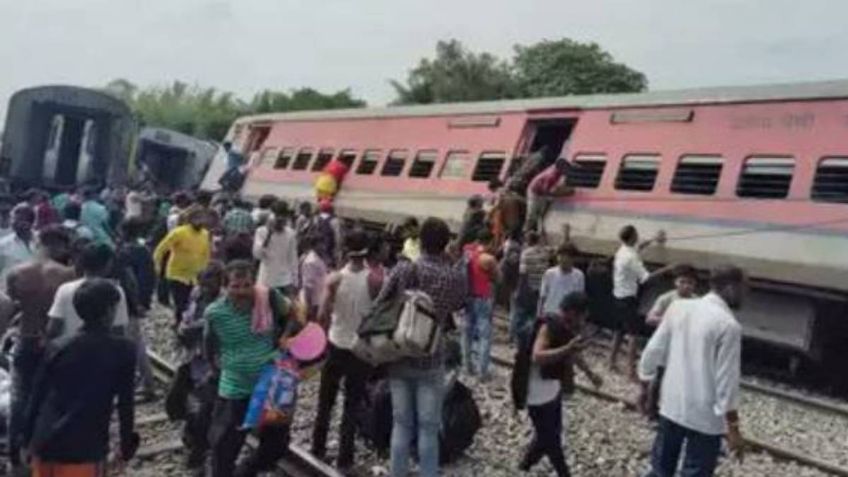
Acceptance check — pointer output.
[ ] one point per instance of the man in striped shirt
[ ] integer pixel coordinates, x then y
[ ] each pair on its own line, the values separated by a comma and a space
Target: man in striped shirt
240, 347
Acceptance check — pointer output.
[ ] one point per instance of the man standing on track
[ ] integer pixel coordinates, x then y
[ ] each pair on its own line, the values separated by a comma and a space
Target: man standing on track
32, 287
77, 385
347, 300
699, 342
628, 274
241, 344
190, 250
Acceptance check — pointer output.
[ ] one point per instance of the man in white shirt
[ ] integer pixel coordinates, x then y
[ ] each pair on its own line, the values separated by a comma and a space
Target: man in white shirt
17, 248
699, 343
560, 281
347, 300
95, 260
628, 274
275, 246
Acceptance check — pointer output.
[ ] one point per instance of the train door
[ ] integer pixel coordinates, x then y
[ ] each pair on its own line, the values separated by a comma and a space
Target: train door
256, 137
543, 141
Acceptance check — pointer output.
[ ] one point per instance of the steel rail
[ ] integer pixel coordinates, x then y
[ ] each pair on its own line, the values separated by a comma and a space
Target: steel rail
752, 443
816, 404
298, 462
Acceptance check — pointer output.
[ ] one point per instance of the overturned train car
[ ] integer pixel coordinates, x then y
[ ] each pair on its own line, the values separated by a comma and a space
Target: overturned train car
172, 160
63, 136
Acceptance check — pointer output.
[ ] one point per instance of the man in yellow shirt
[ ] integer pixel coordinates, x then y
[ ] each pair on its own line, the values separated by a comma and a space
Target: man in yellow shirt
189, 246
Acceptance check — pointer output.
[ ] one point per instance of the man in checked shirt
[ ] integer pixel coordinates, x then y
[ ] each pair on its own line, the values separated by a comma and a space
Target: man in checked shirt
416, 383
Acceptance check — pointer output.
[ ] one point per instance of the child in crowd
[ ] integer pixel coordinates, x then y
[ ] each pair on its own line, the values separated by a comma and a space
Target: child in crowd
685, 285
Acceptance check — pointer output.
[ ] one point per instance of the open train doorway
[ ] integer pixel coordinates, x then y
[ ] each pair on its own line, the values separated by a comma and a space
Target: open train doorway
543, 142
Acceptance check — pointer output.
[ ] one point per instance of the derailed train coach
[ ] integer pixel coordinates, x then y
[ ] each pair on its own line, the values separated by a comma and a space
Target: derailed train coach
63, 136
172, 160
756, 176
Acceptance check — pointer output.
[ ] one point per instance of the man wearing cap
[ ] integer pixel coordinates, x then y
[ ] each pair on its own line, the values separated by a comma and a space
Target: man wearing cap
347, 300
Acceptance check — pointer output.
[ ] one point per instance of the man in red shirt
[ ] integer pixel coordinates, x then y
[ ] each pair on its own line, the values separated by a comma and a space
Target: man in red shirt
543, 189
477, 329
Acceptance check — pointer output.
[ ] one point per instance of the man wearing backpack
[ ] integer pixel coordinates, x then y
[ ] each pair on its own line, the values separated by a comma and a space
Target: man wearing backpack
416, 383
327, 228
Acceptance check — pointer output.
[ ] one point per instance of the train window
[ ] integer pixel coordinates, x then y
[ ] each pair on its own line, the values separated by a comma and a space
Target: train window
638, 172
394, 163
324, 158
766, 177
831, 181
284, 158
268, 155
369, 162
423, 164
347, 156
489, 166
456, 165
588, 170
697, 174
301, 161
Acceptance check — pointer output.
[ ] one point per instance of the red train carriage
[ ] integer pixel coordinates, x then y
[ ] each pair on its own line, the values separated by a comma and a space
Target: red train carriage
756, 176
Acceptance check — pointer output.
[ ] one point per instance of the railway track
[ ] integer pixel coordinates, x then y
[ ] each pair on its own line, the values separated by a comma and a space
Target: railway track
297, 463
757, 445
746, 384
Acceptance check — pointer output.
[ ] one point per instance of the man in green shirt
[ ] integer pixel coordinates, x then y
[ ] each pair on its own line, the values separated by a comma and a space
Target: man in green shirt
240, 344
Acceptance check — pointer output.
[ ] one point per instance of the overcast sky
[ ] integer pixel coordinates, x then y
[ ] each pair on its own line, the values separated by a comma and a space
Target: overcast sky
247, 45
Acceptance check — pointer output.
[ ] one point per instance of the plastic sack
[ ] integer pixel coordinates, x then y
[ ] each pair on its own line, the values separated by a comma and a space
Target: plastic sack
274, 397
325, 186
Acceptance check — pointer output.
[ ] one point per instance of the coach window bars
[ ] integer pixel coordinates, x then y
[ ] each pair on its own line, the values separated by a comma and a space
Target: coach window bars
766, 177
456, 165
301, 161
347, 156
324, 158
268, 155
394, 163
284, 159
638, 172
831, 181
587, 171
697, 174
423, 164
488, 166
369, 161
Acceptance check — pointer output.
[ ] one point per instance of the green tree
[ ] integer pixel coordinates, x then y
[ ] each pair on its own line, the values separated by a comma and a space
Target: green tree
547, 68
455, 74
208, 113
566, 67
302, 100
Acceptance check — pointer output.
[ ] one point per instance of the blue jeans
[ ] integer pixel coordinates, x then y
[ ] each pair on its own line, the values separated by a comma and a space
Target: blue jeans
477, 335
26, 357
416, 400
701, 456
521, 321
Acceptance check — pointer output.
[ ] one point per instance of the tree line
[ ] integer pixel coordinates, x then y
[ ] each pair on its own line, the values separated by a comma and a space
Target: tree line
547, 68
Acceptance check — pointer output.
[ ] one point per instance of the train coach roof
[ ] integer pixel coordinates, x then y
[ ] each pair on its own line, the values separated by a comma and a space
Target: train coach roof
713, 95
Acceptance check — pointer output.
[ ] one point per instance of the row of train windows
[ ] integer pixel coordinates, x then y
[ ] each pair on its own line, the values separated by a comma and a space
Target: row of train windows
765, 177
488, 166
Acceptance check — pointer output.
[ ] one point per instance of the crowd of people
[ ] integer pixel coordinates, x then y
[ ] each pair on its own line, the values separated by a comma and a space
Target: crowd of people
81, 270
